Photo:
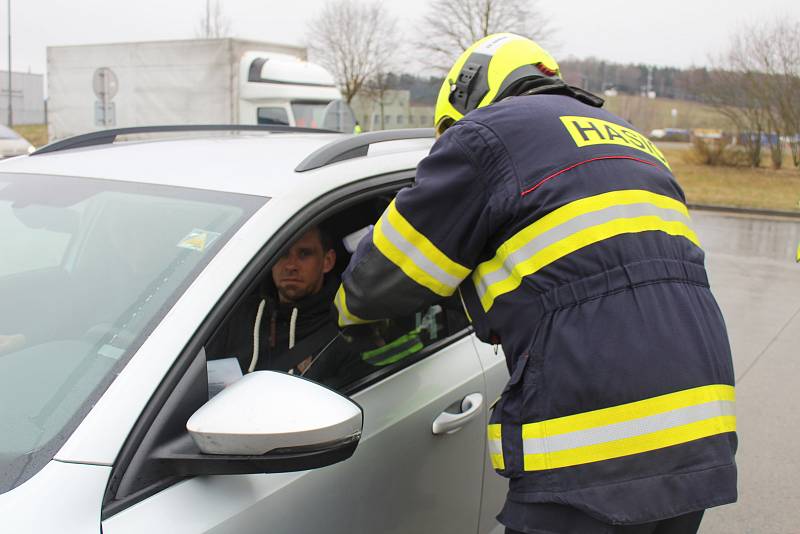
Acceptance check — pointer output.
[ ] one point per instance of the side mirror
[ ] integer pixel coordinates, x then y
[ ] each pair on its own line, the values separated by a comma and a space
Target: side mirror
266, 422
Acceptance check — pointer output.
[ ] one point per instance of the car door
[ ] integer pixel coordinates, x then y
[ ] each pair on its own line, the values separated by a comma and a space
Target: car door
495, 487
402, 478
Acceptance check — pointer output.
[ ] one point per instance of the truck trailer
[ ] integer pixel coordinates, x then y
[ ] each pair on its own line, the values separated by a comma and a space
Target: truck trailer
196, 81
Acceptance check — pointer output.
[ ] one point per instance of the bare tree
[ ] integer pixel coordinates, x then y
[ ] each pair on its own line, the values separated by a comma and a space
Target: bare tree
214, 24
755, 85
449, 28
355, 41
375, 89
734, 95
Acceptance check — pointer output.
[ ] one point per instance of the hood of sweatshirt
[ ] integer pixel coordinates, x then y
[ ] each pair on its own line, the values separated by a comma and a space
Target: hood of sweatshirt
311, 313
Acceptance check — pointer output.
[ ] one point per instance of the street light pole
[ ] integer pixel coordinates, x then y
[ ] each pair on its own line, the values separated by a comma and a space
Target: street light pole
10, 119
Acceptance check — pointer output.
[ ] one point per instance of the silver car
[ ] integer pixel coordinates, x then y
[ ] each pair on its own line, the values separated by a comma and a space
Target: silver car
121, 260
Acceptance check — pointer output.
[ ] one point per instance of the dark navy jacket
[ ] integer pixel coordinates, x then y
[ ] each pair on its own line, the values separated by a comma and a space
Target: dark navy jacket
568, 238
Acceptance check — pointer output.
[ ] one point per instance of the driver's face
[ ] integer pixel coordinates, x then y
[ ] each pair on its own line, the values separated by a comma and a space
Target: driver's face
301, 271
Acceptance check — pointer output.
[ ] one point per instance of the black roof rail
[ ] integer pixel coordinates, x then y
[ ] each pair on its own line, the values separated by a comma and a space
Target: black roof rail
106, 137
357, 146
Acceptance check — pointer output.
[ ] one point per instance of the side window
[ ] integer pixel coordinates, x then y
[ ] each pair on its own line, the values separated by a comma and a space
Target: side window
367, 353
286, 322
272, 115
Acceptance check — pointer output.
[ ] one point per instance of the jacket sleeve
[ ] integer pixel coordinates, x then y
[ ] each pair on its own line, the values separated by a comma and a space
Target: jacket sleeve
433, 233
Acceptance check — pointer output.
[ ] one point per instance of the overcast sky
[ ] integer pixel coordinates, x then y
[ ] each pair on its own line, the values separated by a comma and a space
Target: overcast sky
678, 33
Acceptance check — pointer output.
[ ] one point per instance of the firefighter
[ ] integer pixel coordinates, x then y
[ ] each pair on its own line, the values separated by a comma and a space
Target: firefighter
569, 241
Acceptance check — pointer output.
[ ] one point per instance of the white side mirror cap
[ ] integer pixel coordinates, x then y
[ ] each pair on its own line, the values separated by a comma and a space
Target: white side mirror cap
268, 410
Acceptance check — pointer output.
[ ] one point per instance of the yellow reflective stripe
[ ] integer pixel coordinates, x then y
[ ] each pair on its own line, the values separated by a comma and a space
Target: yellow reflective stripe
627, 412
451, 271
570, 211
496, 447
405, 264
633, 445
345, 317
578, 239
424, 245
628, 429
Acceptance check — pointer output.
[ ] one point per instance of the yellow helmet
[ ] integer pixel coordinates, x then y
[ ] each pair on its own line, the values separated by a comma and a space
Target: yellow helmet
486, 71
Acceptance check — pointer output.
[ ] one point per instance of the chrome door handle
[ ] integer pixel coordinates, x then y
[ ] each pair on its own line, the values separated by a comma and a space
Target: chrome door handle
447, 422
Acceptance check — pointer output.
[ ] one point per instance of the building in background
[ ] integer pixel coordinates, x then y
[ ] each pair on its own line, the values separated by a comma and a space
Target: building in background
390, 110
27, 98
420, 115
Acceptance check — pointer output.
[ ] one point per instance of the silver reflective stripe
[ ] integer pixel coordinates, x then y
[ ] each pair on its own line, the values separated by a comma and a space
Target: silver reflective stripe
628, 429
495, 446
562, 231
415, 255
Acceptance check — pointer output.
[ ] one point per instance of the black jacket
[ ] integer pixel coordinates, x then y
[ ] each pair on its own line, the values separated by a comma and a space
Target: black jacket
237, 337
337, 360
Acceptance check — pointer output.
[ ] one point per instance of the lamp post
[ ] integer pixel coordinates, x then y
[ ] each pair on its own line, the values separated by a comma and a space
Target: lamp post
10, 119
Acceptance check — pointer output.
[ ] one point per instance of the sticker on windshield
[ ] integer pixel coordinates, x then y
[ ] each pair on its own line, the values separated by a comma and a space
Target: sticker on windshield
198, 240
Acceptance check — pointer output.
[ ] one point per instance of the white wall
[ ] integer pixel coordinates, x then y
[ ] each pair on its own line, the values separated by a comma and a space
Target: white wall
27, 98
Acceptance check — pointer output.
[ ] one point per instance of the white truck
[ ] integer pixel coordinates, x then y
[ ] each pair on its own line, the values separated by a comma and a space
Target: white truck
197, 81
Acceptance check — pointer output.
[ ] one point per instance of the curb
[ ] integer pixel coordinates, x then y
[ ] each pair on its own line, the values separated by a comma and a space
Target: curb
745, 211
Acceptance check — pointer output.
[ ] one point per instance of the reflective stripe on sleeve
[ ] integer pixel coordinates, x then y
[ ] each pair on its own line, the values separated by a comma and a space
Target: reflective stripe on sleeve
628, 429
496, 447
415, 255
345, 317
572, 227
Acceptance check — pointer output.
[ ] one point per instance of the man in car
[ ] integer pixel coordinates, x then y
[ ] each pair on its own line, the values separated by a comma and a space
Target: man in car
269, 327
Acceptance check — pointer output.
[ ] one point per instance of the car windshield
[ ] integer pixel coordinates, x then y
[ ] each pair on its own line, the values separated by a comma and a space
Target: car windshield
334, 115
88, 268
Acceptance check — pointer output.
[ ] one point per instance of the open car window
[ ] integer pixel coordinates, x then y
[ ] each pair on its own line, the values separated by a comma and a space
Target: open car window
362, 355
347, 361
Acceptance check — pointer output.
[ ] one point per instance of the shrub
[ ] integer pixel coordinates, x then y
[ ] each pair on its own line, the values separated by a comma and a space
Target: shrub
718, 152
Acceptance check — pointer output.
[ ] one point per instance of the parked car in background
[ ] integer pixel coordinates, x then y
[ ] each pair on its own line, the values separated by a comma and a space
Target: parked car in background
12, 143
122, 262
670, 134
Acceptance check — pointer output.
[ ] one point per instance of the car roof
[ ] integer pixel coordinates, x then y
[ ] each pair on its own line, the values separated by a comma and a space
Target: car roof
259, 163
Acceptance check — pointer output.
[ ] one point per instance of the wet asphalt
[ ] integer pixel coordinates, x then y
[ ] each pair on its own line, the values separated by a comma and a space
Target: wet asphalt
753, 273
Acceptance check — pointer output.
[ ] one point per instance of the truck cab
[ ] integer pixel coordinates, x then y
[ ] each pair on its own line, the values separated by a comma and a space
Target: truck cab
283, 89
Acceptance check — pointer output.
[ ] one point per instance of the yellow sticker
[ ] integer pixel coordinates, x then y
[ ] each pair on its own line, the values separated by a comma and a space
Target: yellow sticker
198, 240
587, 131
